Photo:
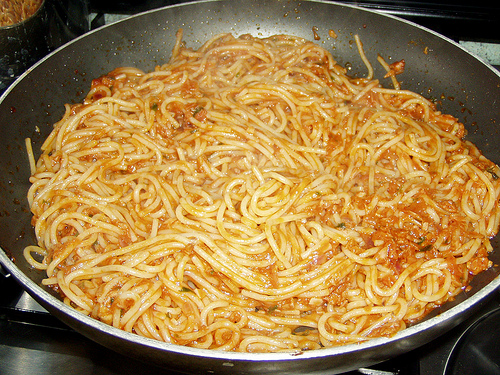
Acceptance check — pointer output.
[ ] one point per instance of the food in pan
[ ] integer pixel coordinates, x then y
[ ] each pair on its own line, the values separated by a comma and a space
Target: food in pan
251, 196
15, 11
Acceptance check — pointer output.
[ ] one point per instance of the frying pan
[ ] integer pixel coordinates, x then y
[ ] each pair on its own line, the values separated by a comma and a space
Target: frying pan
436, 67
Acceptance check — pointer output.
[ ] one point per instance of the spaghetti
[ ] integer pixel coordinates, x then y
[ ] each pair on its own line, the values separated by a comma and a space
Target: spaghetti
250, 196
15, 11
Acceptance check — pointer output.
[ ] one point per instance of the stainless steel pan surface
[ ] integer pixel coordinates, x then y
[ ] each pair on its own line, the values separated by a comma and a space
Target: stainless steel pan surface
435, 67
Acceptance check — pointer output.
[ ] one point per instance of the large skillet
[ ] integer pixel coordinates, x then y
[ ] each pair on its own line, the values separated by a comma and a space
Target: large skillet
436, 67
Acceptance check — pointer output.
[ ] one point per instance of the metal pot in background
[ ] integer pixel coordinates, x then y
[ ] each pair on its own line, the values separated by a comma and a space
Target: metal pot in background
24, 43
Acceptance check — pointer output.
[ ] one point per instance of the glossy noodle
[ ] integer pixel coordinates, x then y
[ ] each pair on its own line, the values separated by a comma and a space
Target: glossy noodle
15, 11
250, 196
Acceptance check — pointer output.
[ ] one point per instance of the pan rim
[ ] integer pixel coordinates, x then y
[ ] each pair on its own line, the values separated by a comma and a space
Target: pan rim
44, 297
194, 2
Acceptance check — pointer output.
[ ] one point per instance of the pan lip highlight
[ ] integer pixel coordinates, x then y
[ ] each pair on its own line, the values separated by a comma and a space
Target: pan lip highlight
407, 333
196, 2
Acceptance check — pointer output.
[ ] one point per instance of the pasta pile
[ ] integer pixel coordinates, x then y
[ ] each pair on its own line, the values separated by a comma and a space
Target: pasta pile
250, 196
15, 11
